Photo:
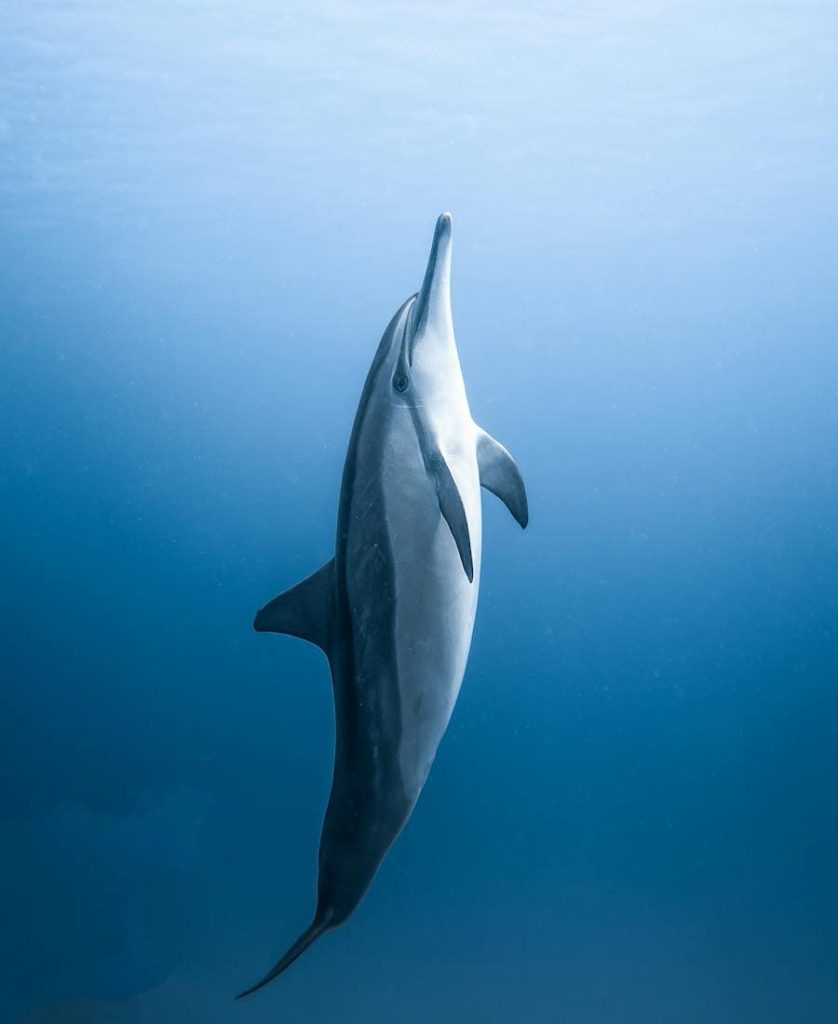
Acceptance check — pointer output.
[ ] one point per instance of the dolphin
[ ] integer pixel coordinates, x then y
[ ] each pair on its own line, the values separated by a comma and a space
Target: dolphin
394, 609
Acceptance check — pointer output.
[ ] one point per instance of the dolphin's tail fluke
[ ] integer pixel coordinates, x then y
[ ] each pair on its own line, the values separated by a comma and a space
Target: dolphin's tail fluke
314, 931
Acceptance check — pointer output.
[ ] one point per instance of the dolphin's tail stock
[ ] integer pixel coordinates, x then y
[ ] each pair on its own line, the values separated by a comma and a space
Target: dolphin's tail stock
314, 931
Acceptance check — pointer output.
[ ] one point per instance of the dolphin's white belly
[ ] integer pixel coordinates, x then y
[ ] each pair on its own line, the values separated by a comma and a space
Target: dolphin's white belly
435, 603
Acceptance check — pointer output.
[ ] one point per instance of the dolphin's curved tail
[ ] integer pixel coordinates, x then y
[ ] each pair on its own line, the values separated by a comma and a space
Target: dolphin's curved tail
314, 931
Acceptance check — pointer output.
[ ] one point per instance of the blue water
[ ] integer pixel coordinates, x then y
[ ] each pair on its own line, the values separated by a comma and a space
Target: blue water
208, 213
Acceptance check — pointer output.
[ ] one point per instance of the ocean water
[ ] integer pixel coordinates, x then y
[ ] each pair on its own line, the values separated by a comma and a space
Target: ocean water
208, 213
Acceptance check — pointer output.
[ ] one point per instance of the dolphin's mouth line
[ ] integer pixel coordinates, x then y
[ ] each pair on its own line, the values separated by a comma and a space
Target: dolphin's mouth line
424, 292
429, 297
408, 334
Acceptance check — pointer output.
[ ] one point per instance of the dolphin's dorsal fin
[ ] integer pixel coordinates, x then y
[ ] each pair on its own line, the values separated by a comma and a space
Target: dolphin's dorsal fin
451, 507
304, 611
500, 475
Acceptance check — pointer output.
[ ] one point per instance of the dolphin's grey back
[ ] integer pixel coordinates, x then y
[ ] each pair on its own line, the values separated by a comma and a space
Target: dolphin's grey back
368, 804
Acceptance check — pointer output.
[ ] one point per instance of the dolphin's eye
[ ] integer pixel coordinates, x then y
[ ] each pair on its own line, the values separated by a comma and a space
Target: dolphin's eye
400, 382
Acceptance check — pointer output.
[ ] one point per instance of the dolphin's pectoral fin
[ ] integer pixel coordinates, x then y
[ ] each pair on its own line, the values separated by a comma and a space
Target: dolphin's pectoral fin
304, 611
500, 475
451, 507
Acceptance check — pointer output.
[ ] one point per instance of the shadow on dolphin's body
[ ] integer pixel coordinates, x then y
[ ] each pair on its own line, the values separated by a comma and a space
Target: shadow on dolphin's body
394, 609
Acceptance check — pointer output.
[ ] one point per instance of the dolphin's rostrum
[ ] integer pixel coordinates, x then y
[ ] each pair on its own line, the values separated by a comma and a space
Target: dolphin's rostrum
394, 609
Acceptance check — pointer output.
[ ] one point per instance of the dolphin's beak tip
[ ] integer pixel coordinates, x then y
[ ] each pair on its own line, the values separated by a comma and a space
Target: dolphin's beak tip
436, 283
444, 232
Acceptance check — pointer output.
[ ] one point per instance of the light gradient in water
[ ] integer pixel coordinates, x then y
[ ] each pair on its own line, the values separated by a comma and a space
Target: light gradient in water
208, 213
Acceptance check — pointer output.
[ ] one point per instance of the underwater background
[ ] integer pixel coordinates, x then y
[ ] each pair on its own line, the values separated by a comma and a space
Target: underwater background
208, 213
